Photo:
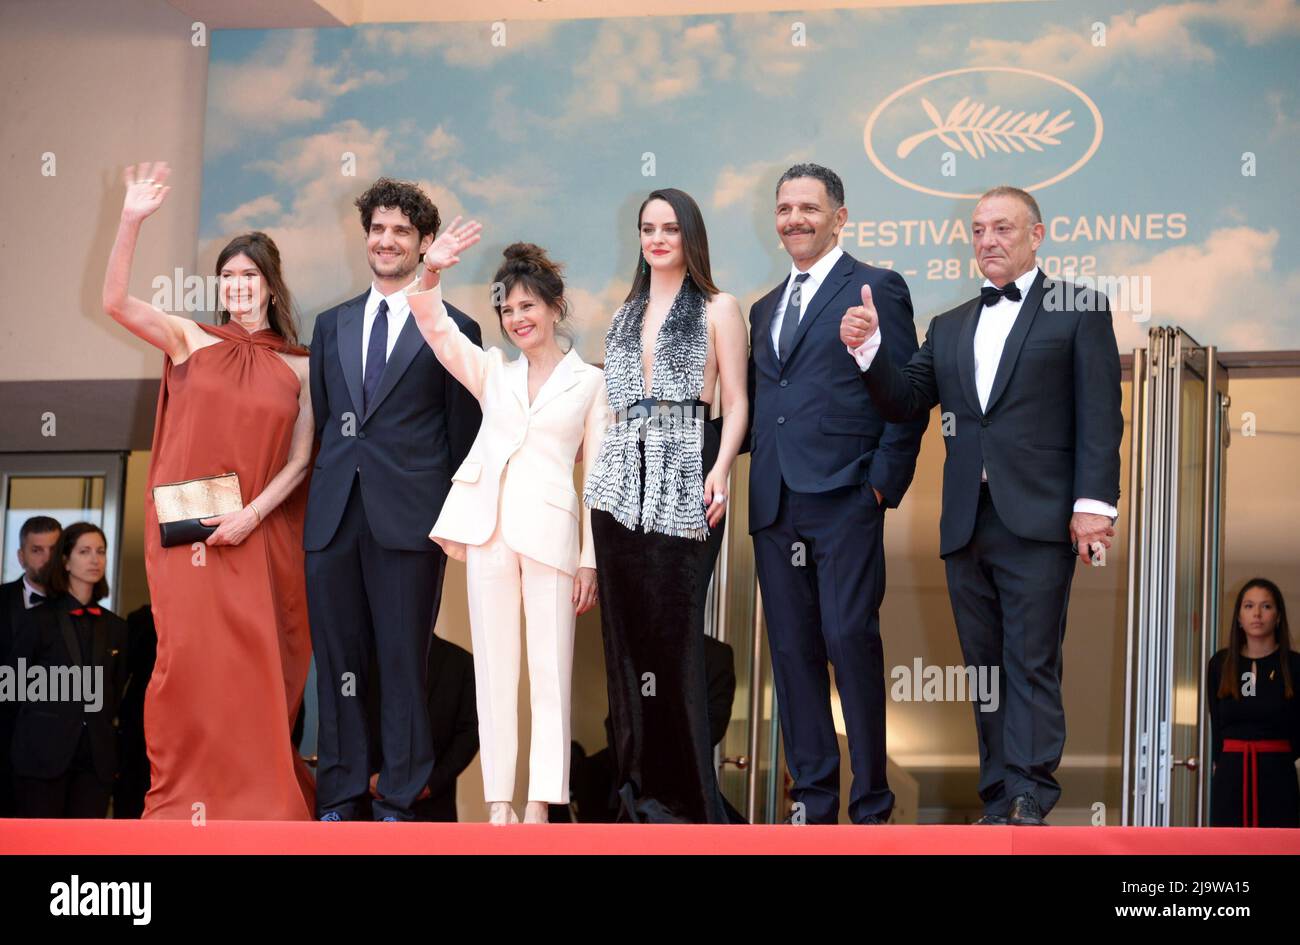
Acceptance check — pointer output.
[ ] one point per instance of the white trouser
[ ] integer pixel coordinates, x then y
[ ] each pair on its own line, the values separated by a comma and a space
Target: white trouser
498, 580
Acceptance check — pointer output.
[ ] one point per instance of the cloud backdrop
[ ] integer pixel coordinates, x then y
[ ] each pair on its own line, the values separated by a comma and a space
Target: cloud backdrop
543, 131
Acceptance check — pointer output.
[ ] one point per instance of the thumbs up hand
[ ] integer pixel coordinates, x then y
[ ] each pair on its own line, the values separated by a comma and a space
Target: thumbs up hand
859, 322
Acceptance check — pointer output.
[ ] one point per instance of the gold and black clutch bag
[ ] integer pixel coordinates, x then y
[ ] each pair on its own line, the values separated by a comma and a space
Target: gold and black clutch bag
181, 505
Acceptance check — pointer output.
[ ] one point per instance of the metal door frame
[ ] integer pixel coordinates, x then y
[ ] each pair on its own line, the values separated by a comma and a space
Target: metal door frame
1155, 486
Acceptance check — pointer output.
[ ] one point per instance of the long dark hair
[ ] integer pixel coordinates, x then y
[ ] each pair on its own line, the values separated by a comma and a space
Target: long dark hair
55, 574
1230, 677
695, 243
261, 249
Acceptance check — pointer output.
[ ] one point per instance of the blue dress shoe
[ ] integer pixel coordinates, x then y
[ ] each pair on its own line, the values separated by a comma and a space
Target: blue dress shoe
390, 820
332, 817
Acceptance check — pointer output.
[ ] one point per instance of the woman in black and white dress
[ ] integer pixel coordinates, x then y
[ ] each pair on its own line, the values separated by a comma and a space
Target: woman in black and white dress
658, 493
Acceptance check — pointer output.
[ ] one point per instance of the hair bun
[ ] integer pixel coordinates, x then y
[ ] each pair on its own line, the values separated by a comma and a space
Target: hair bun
531, 255
528, 265
523, 251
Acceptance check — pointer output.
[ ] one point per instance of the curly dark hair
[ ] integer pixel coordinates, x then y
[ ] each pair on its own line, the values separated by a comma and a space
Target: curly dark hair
402, 195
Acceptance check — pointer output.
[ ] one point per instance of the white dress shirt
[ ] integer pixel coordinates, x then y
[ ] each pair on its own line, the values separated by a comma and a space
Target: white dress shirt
991, 332
817, 274
398, 310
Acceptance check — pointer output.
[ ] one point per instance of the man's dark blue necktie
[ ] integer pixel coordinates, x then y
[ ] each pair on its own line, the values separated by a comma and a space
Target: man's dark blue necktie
790, 318
991, 295
376, 355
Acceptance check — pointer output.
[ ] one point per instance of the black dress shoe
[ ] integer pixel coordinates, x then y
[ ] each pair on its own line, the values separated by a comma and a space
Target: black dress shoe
989, 819
871, 820
1025, 812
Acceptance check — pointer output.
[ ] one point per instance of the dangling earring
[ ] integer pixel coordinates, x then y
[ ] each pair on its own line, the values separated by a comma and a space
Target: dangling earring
645, 266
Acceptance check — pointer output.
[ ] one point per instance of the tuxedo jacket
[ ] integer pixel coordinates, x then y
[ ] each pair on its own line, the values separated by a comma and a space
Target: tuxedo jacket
402, 449
1051, 430
813, 423
540, 515
11, 611
46, 734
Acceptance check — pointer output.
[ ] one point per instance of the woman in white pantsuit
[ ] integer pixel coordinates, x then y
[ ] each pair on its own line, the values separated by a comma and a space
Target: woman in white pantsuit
513, 515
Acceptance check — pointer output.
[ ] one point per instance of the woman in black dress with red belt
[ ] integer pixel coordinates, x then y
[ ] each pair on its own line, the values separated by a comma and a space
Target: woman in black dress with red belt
1255, 715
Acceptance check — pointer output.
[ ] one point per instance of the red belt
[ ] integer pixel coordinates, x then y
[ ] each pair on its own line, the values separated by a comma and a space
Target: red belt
1250, 749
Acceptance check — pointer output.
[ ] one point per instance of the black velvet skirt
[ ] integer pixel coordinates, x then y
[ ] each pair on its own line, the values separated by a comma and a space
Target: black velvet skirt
653, 590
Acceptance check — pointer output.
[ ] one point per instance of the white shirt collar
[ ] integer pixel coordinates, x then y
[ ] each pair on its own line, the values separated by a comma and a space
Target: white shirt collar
397, 304
1023, 282
29, 590
819, 270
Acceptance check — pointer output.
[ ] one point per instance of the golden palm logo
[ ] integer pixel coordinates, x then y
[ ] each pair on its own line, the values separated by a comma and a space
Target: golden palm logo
972, 128
980, 127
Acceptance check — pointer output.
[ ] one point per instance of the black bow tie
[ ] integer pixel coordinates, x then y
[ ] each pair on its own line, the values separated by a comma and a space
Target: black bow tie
36, 598
990, 295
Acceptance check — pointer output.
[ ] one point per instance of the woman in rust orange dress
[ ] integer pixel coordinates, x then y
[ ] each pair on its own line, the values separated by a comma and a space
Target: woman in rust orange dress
233, 643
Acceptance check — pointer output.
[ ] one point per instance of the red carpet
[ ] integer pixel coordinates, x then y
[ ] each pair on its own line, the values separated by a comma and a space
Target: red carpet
154, 837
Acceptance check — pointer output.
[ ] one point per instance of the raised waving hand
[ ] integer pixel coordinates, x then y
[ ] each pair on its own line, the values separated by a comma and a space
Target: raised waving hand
146, 189
446, 249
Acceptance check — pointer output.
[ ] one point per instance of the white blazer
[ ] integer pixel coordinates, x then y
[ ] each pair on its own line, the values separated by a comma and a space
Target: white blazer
522, 461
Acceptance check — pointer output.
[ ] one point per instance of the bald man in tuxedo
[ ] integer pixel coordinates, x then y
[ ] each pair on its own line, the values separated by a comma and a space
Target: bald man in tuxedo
1029, 372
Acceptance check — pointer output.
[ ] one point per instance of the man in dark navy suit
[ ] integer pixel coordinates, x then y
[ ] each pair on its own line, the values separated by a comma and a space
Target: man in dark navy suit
825, 466
1028, 373
392, 425
453, 720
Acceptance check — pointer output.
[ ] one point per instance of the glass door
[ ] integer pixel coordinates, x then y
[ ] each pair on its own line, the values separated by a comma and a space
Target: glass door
1210, 562
1181, 755
69, 487
1179, 402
